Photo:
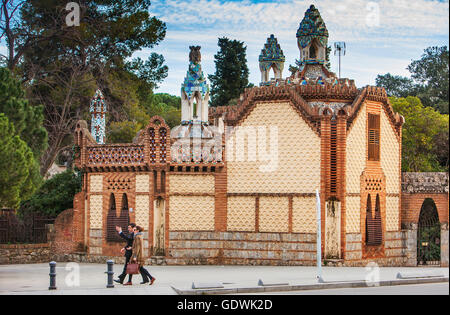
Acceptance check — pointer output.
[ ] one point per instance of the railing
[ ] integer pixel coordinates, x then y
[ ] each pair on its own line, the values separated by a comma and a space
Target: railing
30, 229
116, 155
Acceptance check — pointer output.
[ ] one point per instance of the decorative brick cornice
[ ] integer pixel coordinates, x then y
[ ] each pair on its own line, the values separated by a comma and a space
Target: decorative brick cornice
296, 94
376, 94
431, 182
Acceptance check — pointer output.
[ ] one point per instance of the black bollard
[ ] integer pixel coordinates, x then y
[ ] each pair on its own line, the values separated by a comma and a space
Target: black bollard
52, 276
110, 273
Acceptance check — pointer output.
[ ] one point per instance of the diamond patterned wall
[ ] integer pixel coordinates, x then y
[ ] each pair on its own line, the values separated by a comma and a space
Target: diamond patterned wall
353, 214
274, 214
356, 152
389, 155
298, 168
96, 211
392, 213
304, 217
241, 214
191, 213
96, 183
142, 183
142, 211
191, 184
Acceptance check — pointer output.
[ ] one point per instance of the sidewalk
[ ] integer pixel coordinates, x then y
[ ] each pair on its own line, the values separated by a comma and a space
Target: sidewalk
34, 279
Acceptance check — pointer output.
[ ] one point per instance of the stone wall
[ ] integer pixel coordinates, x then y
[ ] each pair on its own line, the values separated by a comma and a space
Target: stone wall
25, 253
241, 248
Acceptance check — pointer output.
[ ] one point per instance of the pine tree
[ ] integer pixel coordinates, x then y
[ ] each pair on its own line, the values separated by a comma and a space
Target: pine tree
231, 76
16, 162
27, 120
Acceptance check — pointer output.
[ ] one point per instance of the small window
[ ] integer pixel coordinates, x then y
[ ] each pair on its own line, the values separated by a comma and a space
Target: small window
374, 137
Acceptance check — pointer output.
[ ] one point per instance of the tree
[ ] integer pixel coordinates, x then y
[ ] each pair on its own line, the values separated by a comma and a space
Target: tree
396, 85
429, 80
432, 71
62, 66
231, 76
54, 196
422, 134
27, 119
16, 163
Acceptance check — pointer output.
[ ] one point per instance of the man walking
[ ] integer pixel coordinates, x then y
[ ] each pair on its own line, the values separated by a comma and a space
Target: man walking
127, 250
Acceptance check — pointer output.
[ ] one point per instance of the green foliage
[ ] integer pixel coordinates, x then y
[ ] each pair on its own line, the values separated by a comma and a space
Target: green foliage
123, 131
396, 85
423, 132
27, 119
165, 105
428, 236
17, 166
54, 196
63, 66
429, 79
231, 76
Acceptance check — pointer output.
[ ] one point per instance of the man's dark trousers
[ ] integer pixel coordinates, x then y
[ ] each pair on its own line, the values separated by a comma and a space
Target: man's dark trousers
128, 253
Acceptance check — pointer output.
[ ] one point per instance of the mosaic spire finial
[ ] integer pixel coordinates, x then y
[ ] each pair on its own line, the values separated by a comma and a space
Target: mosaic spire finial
194, 89
312, 38
98, 111
271, 57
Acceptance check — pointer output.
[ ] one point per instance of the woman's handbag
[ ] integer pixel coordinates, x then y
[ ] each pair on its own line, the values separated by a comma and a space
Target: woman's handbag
132, 269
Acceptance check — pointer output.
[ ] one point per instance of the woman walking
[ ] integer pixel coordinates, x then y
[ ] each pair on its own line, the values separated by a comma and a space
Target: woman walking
138, 256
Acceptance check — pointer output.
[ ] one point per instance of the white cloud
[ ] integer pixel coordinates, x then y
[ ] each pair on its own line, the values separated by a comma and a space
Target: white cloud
405, 28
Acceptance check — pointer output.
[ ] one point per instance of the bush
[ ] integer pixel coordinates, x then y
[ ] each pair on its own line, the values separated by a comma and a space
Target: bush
54, 196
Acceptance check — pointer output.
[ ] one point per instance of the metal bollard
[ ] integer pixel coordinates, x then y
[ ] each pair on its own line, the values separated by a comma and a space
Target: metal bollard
52, 276
110, 273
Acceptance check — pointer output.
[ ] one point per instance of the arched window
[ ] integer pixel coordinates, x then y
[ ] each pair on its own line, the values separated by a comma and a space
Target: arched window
113, 220
152, 134
374, 231
378, 237
369, 228
312, 52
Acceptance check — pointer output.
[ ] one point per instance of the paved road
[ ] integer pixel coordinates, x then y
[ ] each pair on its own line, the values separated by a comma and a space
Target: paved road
413, 289
34, 278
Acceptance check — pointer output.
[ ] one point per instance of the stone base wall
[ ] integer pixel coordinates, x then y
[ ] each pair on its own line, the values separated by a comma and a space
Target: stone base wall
241, 248
25, 253
394, 250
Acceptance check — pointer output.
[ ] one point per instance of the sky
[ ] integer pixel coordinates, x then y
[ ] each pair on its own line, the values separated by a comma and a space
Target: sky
381, 36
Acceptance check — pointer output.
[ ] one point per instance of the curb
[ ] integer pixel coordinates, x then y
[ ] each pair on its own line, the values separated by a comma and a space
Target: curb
317, 286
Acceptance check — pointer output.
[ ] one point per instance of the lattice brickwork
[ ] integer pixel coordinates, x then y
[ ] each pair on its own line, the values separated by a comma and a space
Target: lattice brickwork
241, 214
191, 213
390, 156
274, 214
392, 213
116, 155
96, 211
298, 155
356, 152
142, 183
192, 184
142, 210
304, 215
96, 183
353, 214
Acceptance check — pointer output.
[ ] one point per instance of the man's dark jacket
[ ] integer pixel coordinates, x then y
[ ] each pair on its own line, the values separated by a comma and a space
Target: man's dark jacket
129, 238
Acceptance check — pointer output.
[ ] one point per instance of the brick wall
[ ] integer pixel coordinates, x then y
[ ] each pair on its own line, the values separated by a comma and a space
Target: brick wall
412, 204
